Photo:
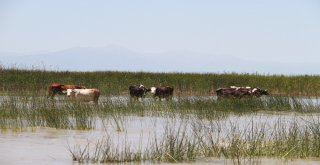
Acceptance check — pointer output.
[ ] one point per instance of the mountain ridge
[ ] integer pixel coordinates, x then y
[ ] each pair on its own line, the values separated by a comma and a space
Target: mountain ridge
122, 59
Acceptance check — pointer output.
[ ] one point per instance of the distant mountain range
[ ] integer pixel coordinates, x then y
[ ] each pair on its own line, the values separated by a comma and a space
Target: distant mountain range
113, 58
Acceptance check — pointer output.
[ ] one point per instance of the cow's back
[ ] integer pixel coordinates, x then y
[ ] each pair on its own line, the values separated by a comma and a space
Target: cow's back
164, 91
222, 92
87, 94
233, 91
55, 84
66, 86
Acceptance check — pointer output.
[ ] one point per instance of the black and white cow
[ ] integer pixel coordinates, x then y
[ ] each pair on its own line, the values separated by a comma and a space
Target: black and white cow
259, 92
137, 91
162, 92
239, 92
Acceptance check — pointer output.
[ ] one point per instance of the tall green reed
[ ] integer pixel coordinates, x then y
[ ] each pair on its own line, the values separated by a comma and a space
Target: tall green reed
18, 81
38, 111
194, 139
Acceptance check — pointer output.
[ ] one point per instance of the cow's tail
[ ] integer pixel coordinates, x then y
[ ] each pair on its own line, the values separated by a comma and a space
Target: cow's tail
96, 95
219, 91
171, 92
49, 92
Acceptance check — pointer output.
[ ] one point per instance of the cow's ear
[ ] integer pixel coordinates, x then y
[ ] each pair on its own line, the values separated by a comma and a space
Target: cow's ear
64, 91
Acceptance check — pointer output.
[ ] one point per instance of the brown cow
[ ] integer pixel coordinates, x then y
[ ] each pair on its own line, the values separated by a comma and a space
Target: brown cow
162, 92
58, 88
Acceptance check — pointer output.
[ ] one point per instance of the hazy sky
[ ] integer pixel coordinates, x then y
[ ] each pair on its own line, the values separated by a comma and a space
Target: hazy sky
273, 30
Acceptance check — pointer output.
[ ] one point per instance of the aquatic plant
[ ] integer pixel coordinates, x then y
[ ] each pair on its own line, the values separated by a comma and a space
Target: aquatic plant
194, 139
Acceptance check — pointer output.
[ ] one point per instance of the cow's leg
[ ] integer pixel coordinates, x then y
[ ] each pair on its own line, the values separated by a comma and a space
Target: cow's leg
96, 98
51, 94
133, 98
54, 91
170, 97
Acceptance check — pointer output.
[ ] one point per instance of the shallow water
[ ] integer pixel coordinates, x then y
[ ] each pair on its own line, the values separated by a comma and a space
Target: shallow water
61, 99
50, 146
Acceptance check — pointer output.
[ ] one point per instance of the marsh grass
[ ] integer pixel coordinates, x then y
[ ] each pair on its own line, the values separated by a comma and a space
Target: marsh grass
19, 112
174, 146
104, 151
194, 139
118, 122
34, 82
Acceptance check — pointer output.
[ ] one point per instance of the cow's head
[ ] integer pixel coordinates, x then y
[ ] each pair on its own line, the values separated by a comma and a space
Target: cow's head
64, 92
153, 90
259, 92
148, 90
70, 92
145, 90
264, 92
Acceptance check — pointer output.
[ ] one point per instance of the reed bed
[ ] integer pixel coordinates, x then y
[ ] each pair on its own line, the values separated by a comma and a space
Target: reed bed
192, 140
34, 82
19, 112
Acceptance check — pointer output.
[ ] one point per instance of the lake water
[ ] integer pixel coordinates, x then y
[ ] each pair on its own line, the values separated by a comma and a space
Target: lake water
51, 146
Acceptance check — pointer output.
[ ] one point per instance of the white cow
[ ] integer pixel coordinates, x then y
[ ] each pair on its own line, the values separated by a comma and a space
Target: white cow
84, 94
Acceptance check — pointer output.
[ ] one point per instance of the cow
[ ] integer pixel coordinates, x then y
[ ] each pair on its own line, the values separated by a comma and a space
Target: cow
232, 92
162, 92
258, 92
137, 91
58, 88
239, 92
84, 94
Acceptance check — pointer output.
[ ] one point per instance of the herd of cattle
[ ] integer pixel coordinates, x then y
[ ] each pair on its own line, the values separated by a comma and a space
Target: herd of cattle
82, 93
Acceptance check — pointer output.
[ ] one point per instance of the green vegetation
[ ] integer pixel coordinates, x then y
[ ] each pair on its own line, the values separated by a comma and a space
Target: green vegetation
15, 81
23, 104
19, 112
193, 140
